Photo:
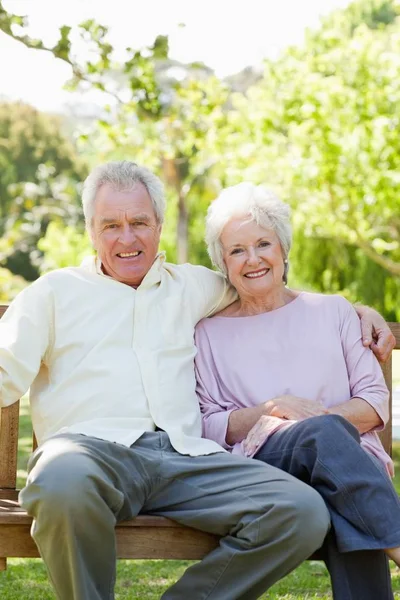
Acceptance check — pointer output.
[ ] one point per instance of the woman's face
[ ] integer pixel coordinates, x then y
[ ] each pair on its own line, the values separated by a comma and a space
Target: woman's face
253, 257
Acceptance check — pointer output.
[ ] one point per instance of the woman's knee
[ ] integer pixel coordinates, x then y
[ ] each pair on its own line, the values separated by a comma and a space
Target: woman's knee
331, 426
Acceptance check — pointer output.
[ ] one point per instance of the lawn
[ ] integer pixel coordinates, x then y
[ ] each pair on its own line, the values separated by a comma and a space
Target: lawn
147, 579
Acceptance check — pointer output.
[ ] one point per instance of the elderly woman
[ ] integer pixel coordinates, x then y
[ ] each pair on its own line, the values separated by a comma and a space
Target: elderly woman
283, 376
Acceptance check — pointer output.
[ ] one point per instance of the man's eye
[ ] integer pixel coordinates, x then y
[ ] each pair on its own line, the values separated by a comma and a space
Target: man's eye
111, 226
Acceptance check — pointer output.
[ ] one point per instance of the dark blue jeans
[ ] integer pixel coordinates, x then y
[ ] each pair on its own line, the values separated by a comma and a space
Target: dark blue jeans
325, 453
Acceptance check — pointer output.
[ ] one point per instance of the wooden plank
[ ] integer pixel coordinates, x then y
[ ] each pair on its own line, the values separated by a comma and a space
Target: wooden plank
16, 541
395, 328
386, 435
164, 542
175, 542
3, 563
9, 419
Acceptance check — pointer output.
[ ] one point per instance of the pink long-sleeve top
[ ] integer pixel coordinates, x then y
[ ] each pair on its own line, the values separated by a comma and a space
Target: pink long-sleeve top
310, 348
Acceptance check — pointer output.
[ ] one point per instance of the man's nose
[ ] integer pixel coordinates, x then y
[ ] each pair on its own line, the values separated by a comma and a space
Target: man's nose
127, 235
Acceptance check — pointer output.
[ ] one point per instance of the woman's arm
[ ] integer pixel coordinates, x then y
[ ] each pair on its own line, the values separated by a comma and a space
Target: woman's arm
286, 407
368, 406
241, 421
361, 414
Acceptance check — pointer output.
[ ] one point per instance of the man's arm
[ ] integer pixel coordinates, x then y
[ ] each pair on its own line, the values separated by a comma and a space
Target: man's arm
375, 332
24, 340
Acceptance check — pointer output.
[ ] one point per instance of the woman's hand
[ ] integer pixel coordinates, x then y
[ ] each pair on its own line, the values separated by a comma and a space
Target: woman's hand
293, 407
281, 408
259, 433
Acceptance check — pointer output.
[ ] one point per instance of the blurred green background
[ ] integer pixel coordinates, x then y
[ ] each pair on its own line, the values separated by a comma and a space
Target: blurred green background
319, 125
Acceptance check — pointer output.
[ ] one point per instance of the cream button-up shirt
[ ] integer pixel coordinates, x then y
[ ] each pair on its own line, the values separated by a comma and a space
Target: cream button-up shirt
107, 360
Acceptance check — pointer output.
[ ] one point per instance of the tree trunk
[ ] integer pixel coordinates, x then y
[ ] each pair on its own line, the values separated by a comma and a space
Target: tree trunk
182, 231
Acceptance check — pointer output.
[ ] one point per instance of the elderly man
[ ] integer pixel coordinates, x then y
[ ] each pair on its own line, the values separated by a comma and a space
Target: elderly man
107, 350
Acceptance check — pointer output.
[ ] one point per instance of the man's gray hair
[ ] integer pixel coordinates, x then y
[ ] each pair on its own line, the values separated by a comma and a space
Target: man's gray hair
123, 176
253, 203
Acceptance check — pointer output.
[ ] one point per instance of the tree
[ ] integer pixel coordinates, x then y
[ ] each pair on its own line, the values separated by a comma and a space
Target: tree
163, 113
320, 127
28, 139
40, 176
323, 129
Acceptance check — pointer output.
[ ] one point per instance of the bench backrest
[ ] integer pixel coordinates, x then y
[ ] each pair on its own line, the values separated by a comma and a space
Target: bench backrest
9, 421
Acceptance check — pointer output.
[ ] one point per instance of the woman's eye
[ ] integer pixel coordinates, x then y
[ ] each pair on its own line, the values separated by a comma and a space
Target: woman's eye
263, 244
236, 251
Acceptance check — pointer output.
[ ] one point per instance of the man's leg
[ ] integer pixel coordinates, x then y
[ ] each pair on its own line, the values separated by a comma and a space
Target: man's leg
76, 490
269, 521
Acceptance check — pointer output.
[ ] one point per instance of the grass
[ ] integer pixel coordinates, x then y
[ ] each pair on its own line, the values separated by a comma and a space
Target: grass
148, 579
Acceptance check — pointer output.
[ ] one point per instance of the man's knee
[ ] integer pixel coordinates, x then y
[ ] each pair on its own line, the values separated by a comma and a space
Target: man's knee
307, 519
311, 513
296, 516
59, 478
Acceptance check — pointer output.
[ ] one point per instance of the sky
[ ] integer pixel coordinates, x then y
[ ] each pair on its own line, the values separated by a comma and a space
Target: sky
224, 34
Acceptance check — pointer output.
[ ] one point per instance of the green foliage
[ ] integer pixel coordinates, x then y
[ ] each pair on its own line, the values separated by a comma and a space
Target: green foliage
33, 206
63, 246
28, 139
39, 175
10, 285
320, 127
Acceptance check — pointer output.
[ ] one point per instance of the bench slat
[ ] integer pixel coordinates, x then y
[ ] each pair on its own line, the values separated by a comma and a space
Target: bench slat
9, 419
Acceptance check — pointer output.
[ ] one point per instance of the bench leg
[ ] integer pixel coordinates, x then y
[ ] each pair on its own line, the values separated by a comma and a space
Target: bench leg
3, 563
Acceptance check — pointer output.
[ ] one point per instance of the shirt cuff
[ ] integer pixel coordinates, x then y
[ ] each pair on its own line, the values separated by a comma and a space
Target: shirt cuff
216, 427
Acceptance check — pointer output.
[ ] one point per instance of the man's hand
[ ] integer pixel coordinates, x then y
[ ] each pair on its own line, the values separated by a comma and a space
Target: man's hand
375, 332
293, 407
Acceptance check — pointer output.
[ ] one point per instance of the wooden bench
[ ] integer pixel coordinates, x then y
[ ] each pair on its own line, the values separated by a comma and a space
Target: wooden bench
143, 537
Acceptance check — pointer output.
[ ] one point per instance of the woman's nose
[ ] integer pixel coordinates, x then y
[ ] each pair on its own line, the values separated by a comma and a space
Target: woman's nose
252, 257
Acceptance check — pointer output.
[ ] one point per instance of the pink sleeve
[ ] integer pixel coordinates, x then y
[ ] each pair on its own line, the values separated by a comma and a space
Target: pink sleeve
215, 415
365, 374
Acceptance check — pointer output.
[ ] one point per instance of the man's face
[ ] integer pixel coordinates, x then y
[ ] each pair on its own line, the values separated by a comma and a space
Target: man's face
125, 233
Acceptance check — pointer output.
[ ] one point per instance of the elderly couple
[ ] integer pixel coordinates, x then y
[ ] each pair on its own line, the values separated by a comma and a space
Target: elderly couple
108, 351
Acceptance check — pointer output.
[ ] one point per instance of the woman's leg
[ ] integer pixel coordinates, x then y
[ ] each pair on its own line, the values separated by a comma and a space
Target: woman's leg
325, 452
359, 575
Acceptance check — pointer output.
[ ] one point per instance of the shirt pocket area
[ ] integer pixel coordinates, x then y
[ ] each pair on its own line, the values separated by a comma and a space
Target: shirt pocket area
176, 323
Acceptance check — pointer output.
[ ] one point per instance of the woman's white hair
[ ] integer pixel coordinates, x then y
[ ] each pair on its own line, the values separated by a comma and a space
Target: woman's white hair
123, 176
253, 203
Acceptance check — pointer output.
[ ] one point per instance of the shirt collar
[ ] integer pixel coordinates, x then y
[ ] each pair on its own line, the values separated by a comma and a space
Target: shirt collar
153, 276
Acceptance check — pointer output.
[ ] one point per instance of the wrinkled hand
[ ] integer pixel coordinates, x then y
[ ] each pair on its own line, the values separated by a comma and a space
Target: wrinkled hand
285, 408
259, 433
376, 333
293, 407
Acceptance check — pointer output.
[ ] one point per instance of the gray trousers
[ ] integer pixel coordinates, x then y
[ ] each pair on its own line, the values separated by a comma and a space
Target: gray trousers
79, 487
